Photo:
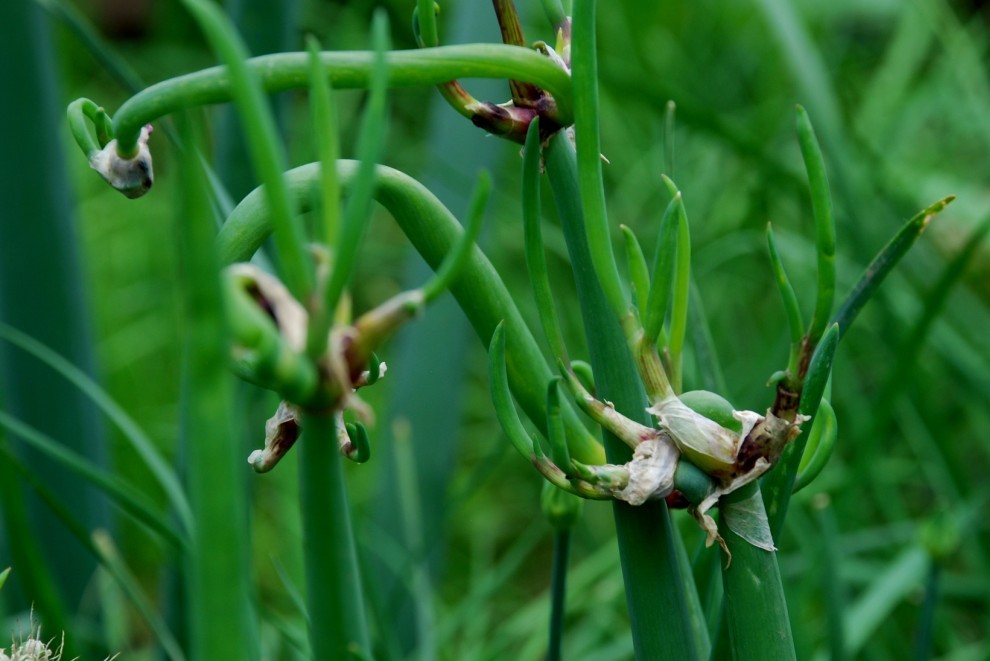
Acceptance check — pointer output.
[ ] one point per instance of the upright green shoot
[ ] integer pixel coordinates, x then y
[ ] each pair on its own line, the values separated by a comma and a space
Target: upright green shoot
821, 204
266, 150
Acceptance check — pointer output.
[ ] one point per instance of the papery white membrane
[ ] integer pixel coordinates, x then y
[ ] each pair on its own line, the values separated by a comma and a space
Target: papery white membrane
707, 444
651, 471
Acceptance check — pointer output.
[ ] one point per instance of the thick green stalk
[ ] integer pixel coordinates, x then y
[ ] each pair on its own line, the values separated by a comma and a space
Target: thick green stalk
755, 607
346, 70
337, 622
654, 590
220, 617
433, 231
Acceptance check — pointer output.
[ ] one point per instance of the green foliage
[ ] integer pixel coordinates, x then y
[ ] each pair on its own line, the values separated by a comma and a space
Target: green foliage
872, 504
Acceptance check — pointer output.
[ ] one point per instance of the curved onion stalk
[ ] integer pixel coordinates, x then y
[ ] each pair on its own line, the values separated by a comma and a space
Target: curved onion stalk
433, 231
345, 70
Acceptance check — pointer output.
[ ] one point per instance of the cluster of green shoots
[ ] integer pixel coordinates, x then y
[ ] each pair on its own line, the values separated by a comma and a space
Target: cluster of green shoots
291, 329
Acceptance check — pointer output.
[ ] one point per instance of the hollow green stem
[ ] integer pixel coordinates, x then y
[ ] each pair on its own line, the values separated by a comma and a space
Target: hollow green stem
818, 451
755, 608
335, 604
555, 428
555, 12
425, 20
520, 439
79, 113
324, 125
681, 290
345, 70
219, 592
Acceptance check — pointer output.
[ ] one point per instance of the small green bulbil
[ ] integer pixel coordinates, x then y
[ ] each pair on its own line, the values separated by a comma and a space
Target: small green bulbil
712, 406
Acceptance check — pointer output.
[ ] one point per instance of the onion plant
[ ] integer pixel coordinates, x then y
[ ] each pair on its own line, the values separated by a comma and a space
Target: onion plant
619, 424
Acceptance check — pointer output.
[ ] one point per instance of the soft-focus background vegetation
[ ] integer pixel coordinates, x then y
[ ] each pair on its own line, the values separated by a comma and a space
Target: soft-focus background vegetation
899, 94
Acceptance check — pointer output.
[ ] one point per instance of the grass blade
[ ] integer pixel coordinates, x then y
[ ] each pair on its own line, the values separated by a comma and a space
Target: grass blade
120, 492
890, 587
98, 545
140, 442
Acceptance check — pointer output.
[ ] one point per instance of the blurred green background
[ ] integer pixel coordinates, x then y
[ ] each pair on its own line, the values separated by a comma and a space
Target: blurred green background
899, 93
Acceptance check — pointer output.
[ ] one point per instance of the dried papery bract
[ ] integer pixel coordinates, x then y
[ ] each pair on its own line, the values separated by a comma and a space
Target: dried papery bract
132, 175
